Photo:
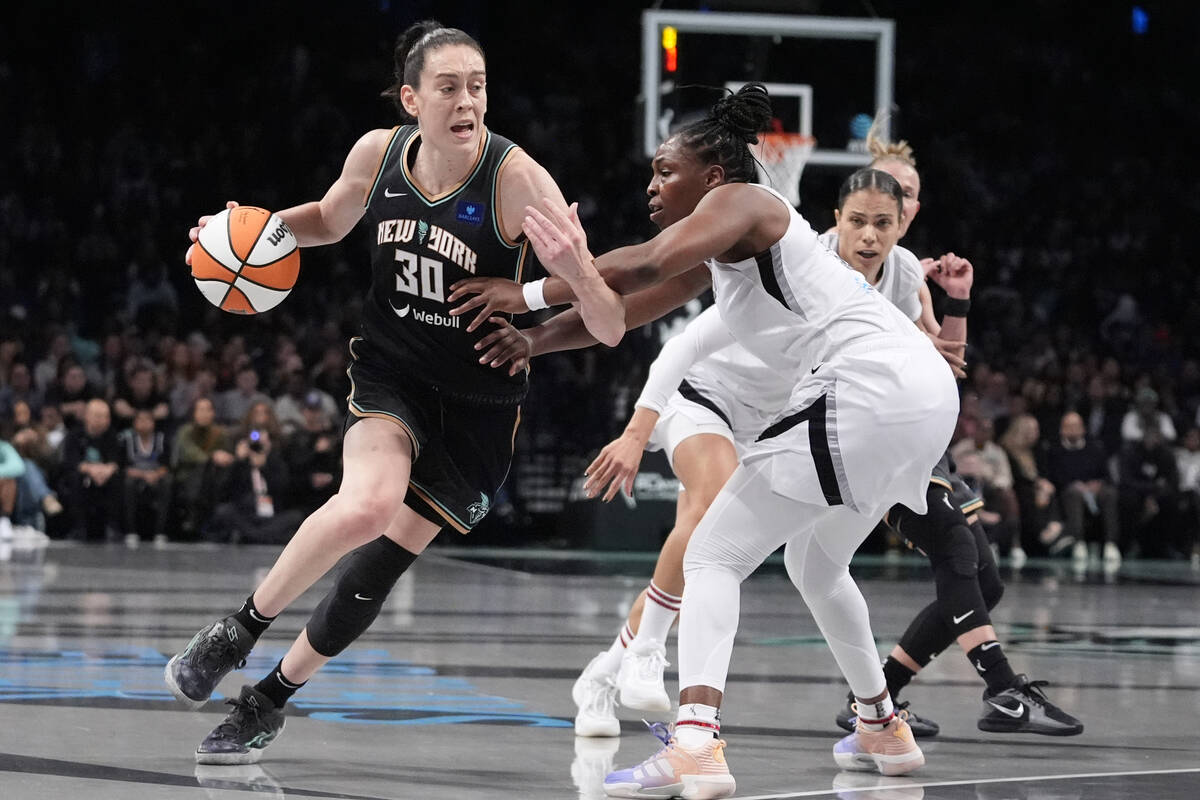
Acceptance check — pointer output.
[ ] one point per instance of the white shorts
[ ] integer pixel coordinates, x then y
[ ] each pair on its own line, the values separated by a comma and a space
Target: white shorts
705, 410
864, 430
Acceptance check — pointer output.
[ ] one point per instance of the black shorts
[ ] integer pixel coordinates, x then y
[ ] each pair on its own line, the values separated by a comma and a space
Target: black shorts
945, 474
461, 451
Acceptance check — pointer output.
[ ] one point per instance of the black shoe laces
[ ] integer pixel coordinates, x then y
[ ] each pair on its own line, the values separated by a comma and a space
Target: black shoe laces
218, 655
238, 718
1033, 689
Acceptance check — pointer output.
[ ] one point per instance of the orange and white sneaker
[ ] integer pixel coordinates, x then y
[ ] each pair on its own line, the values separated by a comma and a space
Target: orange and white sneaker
675, 771
891, 751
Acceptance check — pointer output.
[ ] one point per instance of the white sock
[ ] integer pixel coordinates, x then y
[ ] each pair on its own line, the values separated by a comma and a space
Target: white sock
875, 716
611, 662
6, 528
658, 614
696, 725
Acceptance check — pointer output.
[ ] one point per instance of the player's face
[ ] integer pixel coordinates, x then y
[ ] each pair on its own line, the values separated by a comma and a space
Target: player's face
677, 183
910, 184
868, 227
450, 104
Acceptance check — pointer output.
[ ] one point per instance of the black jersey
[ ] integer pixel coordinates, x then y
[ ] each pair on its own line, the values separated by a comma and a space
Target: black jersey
421, 246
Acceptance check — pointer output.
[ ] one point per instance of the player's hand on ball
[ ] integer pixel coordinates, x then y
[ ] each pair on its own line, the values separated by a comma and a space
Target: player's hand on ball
194, 233
491, 295
505, 345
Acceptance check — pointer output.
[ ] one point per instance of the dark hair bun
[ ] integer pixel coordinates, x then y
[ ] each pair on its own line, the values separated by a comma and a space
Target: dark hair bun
744, 113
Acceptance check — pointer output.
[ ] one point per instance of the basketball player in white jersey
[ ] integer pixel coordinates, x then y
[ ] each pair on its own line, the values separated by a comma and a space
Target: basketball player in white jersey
872, 407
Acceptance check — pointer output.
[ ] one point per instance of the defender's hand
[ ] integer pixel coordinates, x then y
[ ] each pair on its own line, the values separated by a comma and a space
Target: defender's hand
491, 296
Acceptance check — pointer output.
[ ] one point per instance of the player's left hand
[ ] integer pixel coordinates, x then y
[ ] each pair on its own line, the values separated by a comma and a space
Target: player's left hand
559, 240
954, 274
491, 295
505, 345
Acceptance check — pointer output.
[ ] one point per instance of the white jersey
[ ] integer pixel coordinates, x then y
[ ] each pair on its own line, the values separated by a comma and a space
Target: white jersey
900, 277
796, 304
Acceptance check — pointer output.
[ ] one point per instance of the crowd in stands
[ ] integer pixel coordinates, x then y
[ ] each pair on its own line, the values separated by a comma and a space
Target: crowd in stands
129, 407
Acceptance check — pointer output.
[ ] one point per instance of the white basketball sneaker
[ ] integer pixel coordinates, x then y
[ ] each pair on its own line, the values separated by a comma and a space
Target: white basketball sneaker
595, 695
640, 679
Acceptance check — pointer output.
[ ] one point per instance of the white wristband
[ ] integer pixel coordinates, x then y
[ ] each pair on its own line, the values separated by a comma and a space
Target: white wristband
534, 298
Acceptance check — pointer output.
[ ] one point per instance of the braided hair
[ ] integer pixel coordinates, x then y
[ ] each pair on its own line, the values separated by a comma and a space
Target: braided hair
723, 135
411, 48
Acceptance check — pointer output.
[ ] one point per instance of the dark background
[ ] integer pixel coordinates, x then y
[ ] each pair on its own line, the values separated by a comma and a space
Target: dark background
1057, 150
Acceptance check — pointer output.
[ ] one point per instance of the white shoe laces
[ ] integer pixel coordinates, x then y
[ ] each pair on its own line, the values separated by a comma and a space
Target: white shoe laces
602, 699
651, 665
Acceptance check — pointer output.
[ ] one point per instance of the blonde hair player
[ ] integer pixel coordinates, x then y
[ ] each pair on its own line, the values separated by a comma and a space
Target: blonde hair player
430, 430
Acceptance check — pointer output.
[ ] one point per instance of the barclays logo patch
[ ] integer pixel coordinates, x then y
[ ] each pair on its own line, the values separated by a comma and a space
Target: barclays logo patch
470, 212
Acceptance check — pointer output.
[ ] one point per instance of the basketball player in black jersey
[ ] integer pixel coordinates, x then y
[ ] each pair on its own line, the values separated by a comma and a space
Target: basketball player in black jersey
430, 428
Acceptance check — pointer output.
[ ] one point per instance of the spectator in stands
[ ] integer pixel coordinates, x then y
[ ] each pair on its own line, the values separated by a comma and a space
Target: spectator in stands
987, 463
36, 503
1145, 415
19, 388
71, 392
251, 507
1103, 411
312, 453
1035, 494
289, 407
1078, 468
1187, 461
1149, 482
47, 371
140, 394
91, 484
233, 405
201, 451
147, 481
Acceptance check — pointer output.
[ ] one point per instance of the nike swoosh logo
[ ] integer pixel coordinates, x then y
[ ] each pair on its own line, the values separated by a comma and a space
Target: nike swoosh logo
390, 193
964, 616
946, 500
358, 596
817, 367
989, 645
400, 312
1020, 712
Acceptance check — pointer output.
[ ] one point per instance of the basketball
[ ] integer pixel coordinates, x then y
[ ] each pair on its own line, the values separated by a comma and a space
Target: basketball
246, 260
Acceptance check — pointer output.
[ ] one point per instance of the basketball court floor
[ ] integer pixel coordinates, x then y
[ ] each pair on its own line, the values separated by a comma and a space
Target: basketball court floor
462, 687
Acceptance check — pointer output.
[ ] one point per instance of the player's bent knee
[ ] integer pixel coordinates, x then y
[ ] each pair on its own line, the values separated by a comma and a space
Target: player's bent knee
991, 587
361, 517
352, 604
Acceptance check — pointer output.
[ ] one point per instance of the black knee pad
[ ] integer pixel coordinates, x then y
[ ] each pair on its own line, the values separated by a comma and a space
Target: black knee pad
362, 584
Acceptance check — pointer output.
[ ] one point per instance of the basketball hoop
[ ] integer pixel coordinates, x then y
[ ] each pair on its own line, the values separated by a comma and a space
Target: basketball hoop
781, 158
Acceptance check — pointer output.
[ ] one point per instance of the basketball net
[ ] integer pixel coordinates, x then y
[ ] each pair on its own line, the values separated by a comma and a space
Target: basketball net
781, 158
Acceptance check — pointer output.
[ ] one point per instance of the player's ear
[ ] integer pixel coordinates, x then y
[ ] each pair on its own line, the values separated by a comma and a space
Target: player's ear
408, 99
714, 176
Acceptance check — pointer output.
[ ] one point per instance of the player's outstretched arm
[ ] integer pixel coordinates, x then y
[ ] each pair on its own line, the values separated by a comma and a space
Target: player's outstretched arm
329, 219
525, 183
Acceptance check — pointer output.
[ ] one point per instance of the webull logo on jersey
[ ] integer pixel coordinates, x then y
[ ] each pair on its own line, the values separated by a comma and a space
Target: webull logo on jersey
436, 239
436, 320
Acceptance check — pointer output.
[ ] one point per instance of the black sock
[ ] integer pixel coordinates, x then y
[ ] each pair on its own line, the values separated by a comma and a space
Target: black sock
277, 687
897, 676
989, 661
250, 618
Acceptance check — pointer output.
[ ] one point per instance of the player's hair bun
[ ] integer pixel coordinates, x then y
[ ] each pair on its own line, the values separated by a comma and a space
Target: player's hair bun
745, 112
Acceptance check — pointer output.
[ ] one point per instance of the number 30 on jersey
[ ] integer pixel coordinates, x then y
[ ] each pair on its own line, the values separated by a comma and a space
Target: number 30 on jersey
419, 276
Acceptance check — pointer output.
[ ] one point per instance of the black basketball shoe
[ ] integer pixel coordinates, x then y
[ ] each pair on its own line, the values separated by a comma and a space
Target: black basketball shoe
210, 656
847, 719
253, 724
1024, 709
